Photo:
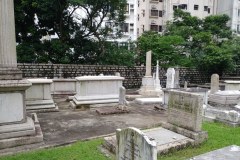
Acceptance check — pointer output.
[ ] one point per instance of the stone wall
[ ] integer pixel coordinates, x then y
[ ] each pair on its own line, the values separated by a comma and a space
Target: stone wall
133, 75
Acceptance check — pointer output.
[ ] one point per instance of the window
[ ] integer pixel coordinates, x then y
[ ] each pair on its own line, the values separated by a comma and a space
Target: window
174, 7
154, 13
160, 0
125, 27
183, 6
143, 13
209, 10
238, 12
205, 8
159, 28
138, 17
138, 31
138, 3
154, 27
238, 28
196, 7
127, 8
143, 28
160, 13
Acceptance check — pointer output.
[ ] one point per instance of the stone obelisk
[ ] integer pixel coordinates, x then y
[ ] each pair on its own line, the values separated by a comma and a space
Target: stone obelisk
147, 87
15, 127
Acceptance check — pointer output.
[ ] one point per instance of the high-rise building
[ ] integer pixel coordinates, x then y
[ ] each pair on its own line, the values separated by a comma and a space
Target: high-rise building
232, 9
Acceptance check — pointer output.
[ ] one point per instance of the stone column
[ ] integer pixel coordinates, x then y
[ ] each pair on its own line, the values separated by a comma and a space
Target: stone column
8, 58
214, 83
157, 80
148, 64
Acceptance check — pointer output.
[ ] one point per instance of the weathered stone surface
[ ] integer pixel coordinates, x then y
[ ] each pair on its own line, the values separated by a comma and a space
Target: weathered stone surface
148, 64
226, 153
97, 89
232, 85
185, 110
214, 83
133, 144
170, 78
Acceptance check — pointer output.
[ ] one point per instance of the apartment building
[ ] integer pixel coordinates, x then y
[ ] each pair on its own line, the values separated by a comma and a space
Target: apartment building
154, 14
150, 16
232, 9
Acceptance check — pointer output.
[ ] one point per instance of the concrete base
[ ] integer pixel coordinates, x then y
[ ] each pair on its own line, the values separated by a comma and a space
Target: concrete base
198, 137
78, 101
226, 153
166, 140
21, 134
41, 106
147, 88
148, 100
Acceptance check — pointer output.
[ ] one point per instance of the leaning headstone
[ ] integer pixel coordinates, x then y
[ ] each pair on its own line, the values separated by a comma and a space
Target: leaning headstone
170, 78
185, 85
133, 144
122, 97
214, 83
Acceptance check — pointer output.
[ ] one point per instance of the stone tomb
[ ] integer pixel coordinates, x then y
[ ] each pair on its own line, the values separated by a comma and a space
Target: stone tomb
185, 115
38, 96
226, 153
224, 98
133, 144
97, 90
63, 87
232, 85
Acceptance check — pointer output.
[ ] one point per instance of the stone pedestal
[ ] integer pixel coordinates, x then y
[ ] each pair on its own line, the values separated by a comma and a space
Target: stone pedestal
15, 127
38, 96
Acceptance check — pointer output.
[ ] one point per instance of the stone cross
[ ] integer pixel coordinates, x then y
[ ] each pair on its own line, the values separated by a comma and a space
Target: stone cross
133, 144
8, 56
148, 64
214, 83
170, 78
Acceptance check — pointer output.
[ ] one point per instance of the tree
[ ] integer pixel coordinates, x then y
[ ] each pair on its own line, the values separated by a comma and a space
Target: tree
38, 18
204, 40
168, 49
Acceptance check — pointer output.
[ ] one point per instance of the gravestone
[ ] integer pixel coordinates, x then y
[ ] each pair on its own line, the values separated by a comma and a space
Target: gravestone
133, 144
214, 83
170, 78
176, 78
185, 110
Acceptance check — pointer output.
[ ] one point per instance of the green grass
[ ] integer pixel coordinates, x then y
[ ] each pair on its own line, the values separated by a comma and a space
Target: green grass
87, 150
219, 136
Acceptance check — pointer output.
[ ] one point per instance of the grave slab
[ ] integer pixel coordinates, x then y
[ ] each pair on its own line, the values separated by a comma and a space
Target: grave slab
148, 100
226, 153
165, 139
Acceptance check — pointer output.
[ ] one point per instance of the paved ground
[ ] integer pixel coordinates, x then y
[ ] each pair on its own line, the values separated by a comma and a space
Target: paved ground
67, 125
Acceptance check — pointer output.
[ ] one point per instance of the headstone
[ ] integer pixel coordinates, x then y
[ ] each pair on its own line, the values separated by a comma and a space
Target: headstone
118, 74
214, 83
148, 64
185, 85
133, 144
122, 96
170, 78
185, 110
176, 78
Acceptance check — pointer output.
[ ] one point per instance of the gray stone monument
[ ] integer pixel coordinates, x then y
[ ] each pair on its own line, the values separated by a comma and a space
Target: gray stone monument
123, 103
185, 111
15, 127
147, 87
133, 144
214, 83
170, 78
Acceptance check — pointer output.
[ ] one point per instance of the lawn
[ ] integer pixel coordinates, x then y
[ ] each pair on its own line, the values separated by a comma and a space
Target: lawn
219, 136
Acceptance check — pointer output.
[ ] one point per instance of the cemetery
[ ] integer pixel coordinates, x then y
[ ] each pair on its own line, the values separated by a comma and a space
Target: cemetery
51, 111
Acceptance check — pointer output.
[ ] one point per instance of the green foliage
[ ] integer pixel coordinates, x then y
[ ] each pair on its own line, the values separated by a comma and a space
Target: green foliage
167, 49
204, 40
38, 18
